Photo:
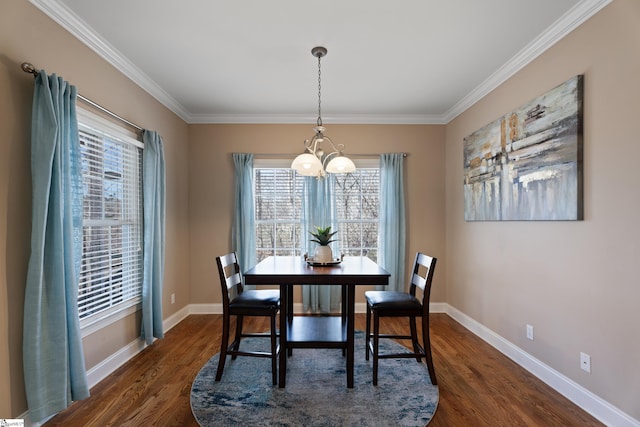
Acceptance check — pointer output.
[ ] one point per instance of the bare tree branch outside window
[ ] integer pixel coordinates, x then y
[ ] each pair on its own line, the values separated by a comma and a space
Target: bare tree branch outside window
278, 202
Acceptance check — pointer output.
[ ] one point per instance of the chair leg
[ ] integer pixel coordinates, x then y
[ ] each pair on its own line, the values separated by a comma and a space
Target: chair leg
376, 337
274, 354
367, 333
414, 338
223, 345
426, 341
236, 345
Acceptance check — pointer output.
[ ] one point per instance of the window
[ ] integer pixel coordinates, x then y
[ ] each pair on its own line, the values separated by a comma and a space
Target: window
358, 202
111, 270
278, 208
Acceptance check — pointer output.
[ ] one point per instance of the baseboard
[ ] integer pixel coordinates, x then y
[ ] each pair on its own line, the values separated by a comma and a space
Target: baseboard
438, 307
589, 402
27, 420
175, 318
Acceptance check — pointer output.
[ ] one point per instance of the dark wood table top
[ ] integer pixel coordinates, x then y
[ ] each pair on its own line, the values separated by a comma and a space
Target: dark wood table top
291, 270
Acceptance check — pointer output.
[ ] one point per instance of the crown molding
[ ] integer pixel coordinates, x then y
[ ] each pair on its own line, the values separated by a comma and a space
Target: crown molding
559, 29
352, 119
80, 30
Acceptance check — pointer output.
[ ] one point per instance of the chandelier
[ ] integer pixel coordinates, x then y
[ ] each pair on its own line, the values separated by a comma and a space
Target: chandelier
314, 161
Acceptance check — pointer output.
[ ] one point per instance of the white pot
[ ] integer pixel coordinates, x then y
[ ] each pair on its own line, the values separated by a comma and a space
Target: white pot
323, 254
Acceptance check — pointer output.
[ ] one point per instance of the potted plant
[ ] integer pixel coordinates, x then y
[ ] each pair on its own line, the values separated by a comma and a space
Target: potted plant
323, 236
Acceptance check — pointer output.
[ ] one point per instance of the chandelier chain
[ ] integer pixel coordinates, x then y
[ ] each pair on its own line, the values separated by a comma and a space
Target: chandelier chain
319, 93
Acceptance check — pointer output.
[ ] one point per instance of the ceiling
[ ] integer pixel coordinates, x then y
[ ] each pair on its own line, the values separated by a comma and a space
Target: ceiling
407, 61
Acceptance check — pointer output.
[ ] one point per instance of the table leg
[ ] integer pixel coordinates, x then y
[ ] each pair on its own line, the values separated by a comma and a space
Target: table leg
290, 303
343, 312
284, 321
351, 316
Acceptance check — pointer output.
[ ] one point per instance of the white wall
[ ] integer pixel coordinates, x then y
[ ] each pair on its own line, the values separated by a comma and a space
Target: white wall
576, 282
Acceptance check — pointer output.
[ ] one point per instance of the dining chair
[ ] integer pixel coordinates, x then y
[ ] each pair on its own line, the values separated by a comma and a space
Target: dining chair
403, 304
238, 302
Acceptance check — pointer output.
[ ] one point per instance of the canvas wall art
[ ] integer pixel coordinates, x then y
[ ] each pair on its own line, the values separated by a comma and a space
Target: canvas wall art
527, 165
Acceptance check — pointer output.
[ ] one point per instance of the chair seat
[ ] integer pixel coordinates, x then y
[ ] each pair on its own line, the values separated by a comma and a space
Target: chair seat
393, 301
256, 300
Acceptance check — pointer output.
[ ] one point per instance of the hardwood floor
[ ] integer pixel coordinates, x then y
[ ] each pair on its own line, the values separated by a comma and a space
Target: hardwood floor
478, 385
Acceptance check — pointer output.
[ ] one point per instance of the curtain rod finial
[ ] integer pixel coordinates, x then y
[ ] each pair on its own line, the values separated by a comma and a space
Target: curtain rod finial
29, 68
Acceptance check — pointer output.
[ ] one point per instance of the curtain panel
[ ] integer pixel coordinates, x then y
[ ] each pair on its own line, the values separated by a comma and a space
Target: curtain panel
319, 210
243, 233
392, 233
153, 191
54, 367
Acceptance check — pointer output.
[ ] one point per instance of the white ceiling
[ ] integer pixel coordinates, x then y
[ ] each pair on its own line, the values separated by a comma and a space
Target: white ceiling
403, 61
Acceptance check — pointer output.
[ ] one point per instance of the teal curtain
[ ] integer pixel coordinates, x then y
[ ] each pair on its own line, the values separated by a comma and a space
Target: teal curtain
243, 234
54, 368
392, 234
153, 190
319, 209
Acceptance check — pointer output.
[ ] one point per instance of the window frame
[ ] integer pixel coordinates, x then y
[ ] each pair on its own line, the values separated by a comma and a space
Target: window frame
104, 318
283, 163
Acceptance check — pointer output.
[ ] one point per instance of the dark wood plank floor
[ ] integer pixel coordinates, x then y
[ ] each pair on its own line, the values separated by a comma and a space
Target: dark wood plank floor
478, 385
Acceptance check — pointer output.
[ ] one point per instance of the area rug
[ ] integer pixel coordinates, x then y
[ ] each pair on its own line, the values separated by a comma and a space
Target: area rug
316, 392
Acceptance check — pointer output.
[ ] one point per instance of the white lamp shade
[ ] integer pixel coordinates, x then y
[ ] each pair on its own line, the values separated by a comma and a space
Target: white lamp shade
307, 164
341, 164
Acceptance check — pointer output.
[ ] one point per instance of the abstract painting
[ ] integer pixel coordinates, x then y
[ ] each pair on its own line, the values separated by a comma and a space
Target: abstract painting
527, 165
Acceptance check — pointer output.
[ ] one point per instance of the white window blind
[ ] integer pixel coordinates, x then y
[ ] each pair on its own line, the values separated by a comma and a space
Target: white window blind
278, 209
358, 206
111, 270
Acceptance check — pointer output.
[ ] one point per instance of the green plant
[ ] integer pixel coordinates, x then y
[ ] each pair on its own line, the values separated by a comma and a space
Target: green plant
323, 236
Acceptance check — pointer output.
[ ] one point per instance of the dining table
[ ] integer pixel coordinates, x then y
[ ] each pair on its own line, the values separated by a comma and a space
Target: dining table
313, 331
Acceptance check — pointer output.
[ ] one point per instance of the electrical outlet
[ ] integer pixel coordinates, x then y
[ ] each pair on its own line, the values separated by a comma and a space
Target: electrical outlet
530, 332
173, 298
585, 362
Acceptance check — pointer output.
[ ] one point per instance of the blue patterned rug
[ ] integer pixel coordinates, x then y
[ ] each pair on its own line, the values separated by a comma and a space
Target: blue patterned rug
316, 393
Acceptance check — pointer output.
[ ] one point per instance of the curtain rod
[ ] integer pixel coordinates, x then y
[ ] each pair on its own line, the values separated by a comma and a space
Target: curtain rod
29, 68
281, 156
